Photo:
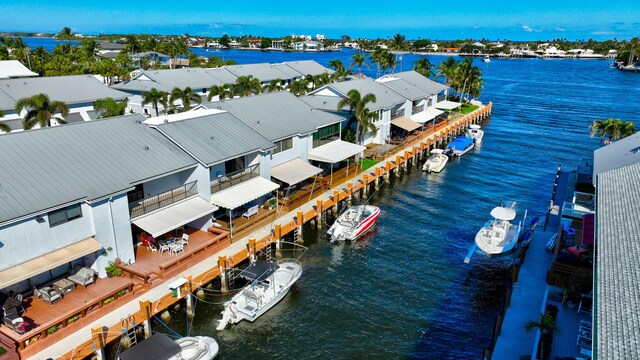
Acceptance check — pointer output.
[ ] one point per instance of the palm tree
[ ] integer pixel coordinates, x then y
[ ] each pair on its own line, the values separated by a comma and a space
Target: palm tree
299, 87
628, 128
599, 128
108, 107
423, 67
398, 43
359, 61
65, 33
4, 127
447, 69
546, 325
247, 85
361, 114
336, 64
187, 96
155, 98
40, 109
273, 86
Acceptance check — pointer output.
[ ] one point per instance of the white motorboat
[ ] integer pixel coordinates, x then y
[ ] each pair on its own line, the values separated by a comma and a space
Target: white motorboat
486, 59
354, 222
460, 146
160, 346
436, 162
475, 133
499, 235
268, 284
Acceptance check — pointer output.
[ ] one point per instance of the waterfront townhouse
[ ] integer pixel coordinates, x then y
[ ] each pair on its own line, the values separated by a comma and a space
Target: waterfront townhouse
266, 72
387, 103
14, 69
78, 92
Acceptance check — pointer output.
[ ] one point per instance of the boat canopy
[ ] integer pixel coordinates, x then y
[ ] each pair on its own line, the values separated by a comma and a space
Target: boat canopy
461, 142
437, 151
259, 271
157, 347
475, 127
503, 213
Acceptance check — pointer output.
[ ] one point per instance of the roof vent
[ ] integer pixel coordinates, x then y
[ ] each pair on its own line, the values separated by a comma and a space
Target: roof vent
213, 138
258, 122
146, 148
138, 122
166, 121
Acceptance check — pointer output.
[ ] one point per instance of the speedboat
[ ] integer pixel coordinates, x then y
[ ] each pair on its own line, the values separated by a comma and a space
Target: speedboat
354, 222
475, 133
160, 346
436, 161
486, 59
499, 235
460, 146
268, 284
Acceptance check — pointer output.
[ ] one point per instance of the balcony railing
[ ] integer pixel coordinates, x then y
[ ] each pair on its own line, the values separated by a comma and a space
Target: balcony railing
141, 207
573, 210
234, 178
320, 142
442, 97
417, 109
396, 114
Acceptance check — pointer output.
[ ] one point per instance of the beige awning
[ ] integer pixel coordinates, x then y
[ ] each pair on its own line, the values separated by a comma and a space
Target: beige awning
429, 114
404, 123
243, 193
43, 263
447, 105
294, 171
335, 151
173, 216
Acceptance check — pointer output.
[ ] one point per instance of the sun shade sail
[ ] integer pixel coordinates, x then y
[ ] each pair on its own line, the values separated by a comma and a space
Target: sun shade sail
405, 123
243, 193
294, 171
447, 105
335, 151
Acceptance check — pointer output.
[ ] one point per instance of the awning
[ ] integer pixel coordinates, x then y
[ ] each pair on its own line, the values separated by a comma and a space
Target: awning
173, 216
242, 193
335, 151
48, 261
405, 123
424, 116
294, 171
447, 105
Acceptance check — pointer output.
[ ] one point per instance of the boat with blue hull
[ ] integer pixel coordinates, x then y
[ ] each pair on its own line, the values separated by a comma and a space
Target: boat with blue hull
460, 146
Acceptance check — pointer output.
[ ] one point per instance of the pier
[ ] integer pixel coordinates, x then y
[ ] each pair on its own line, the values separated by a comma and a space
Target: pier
91, 335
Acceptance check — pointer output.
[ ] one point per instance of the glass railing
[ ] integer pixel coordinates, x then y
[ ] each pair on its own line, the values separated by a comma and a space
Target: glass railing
417, 109
234, 178
141, 207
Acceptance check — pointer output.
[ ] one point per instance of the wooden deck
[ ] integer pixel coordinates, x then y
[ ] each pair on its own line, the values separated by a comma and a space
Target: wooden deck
243, 226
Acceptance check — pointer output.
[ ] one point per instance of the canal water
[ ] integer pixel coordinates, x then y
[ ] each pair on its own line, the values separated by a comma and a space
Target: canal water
403, 291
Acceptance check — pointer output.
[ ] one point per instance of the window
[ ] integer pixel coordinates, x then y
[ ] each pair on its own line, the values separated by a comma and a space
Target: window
136, 194
62, 216
326, 134
282, 145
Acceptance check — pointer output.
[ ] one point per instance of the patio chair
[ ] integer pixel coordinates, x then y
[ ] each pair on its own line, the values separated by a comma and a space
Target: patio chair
84, 276
47, 294
13, 321
185, 239
164, 247
177, 247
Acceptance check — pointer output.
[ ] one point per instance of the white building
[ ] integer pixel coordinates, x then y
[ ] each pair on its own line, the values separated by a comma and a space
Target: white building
320, 37
14, 69
307, 46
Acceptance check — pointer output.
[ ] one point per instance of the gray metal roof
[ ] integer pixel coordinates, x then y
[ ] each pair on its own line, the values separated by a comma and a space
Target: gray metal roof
263, 71
308, 67
385, 97
421, 82
106, 45
14, 124
215, 138
45, 168
405, 89
223, 75
326, 103
276, 115
14, 69
165, 80
617, 154
73, 118
76, 89
290, 72
618, 273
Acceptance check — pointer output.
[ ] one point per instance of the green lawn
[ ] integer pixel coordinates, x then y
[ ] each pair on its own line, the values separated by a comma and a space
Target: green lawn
367, 163
467, 108
2, 350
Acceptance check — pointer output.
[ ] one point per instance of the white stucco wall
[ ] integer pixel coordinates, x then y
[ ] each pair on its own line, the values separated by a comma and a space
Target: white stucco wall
299, 149
166, 183
112, 226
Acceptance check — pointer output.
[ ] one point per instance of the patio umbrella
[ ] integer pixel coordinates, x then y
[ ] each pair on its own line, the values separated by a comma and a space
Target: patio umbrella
577, 250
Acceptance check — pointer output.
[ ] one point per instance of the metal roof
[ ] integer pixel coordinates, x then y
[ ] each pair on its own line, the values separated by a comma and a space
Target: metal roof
75, 89
617, 271
223, 75
385, 97
215, 138
73, 118
421, 82
290, 72
322, 102
14, 124
13, 69
46, 168
308, 67
617, 154
166, 80
404, 88
276, 115
262, 71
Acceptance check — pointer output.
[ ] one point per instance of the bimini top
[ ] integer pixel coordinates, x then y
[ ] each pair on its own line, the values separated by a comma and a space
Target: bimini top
437, 151
503, 213
158, 347
259, 271
475, 127
460, 143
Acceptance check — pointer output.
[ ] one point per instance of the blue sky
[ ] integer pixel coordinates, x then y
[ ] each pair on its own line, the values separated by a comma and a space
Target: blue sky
517, 20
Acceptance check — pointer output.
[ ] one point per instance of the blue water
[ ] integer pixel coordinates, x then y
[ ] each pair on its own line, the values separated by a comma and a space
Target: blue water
404, 291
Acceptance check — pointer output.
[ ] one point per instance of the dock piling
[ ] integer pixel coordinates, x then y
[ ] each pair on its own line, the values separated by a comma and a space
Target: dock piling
224, 282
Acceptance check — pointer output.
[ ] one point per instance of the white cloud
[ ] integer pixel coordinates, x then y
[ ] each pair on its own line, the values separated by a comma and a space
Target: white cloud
526, 28
560, 29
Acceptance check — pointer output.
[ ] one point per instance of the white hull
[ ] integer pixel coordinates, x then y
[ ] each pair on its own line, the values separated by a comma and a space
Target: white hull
258, 297
435, 163
495, 246
459, 153
475, 134
196, 348
354, 222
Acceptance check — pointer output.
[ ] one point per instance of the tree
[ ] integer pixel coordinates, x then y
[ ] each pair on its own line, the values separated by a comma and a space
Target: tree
155, 98
336, 64
187, 96
614, 129
224, 41
358, 61
4, 127
546, 325
361, 115
424, 67
108, 107
265, 43
40, 110
247, 85
174, 48
65, 34
447, 69
398, 42
299, 87
273, 86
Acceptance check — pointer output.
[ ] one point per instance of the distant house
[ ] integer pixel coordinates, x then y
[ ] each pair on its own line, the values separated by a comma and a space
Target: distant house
254, 43
451, 49
320, 37
14, 69
307, 46
277, 44
479, 44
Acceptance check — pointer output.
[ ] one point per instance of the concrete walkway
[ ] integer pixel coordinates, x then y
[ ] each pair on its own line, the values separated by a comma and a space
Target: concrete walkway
527, 301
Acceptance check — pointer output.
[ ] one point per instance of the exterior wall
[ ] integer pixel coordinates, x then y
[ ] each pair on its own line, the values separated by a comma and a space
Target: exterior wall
158, 186
112, 226
299, 149
201, 174
383, 126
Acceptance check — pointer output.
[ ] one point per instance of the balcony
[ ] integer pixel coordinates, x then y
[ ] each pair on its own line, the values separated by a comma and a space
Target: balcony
417, 109
396, 114
441, 97
141, 207
583, 203
234, 178
325, 140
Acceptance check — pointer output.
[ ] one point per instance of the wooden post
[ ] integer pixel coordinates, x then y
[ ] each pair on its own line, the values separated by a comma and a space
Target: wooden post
336, 200
349, 194
300, 217
97, 338
252, 250
189, 296
222, 266
145, 309
365, 188
277, 234
319, 210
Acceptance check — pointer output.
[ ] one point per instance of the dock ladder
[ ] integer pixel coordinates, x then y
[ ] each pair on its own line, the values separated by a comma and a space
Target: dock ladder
130, 333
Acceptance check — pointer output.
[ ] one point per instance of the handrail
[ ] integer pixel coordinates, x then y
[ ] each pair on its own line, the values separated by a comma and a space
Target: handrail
234, 178
144, 206
417, 109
